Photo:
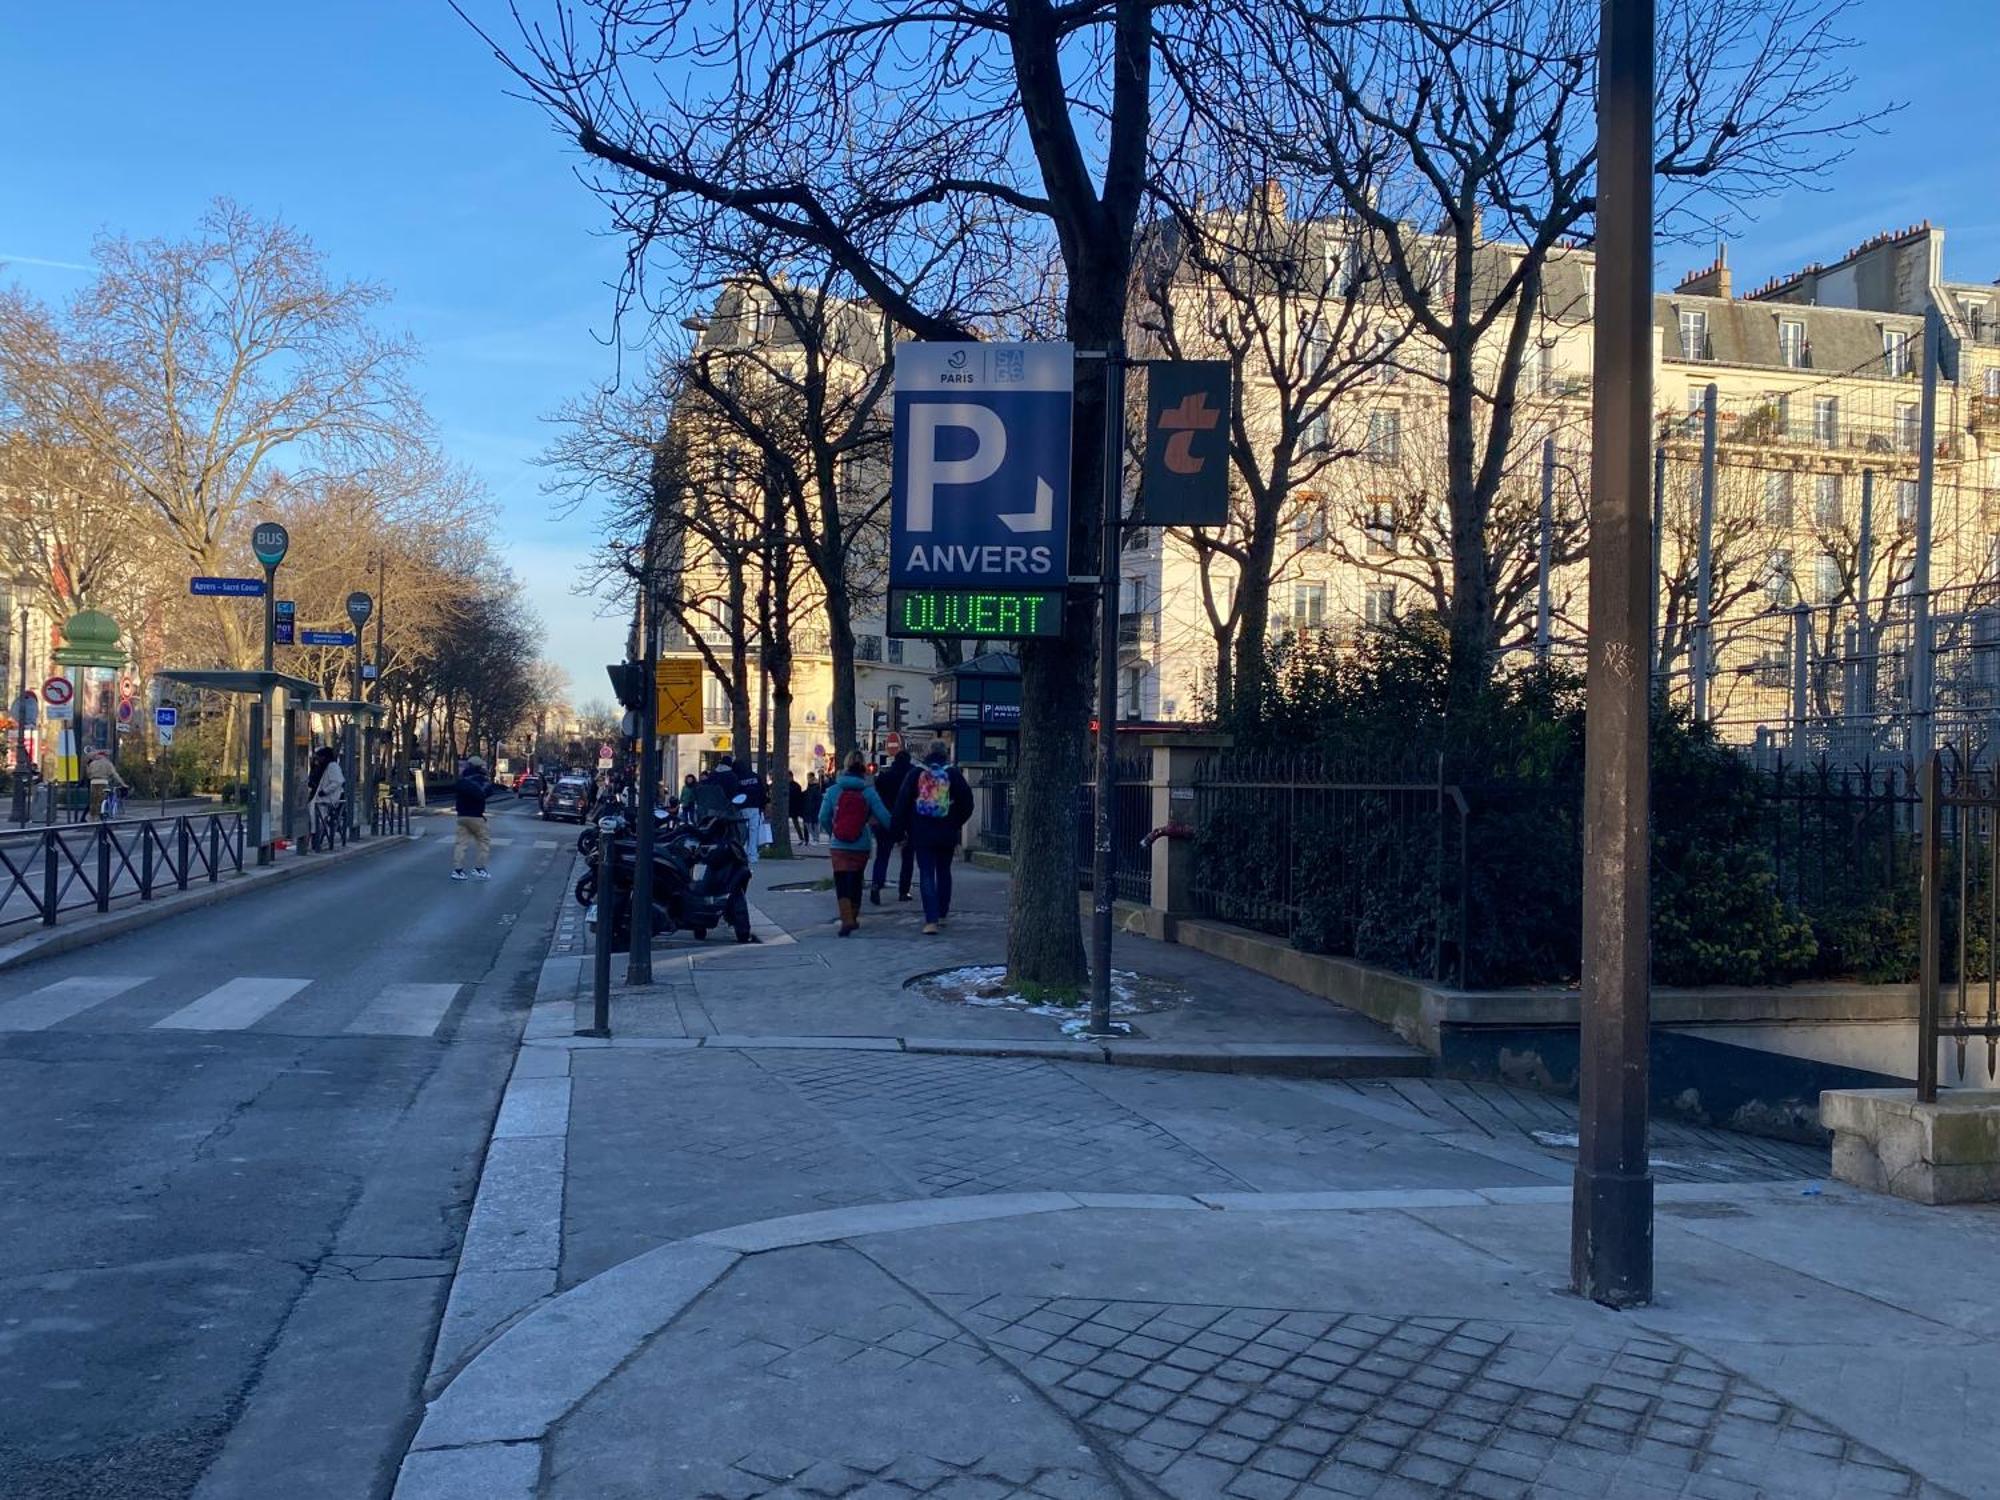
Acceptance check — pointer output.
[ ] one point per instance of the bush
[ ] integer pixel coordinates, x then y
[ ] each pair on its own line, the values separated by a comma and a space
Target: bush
1377, 875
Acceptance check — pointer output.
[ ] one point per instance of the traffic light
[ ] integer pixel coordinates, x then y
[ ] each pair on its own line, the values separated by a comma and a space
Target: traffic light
628, 683
897, 703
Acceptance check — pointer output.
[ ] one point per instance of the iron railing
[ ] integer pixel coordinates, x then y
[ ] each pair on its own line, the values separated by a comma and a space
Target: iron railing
74, 867
1368, 867
1132, 820
1960, 931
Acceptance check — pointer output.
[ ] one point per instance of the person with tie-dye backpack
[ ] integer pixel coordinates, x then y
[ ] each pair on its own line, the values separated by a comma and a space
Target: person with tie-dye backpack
934, 804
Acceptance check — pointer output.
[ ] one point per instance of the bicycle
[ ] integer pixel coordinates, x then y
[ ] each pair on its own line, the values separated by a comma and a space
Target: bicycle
329, 821
112, 805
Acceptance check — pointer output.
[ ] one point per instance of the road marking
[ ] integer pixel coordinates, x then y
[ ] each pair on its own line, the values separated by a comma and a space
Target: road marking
55, 1003
548, 843
233, 1006
405, 1010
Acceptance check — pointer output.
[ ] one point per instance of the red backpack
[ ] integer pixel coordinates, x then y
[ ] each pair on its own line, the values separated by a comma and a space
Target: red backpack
850, 815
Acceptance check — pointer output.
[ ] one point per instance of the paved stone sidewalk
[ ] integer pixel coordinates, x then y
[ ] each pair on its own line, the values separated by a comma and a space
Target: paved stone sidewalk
770, 1262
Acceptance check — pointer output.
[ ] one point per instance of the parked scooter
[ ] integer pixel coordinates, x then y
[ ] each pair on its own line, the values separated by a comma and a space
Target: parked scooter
701, 880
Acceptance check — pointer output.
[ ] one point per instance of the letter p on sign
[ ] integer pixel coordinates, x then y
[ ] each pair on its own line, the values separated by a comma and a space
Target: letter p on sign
928, 471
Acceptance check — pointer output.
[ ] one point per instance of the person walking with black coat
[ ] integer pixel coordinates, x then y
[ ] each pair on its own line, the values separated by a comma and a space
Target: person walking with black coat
469, 795
889, 786
935, 803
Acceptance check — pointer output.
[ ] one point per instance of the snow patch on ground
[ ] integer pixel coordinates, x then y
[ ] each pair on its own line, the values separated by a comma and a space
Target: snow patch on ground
985, 986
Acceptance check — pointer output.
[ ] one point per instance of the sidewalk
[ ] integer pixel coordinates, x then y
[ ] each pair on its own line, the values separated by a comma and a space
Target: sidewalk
717, 1259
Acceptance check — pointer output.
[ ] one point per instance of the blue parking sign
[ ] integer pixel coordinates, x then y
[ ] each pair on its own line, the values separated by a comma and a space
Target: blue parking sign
979, 486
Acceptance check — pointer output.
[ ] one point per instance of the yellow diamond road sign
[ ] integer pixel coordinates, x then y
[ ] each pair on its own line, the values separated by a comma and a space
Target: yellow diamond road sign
677, 680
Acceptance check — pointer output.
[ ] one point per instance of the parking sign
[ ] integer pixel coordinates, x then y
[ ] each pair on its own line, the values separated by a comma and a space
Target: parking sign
979, 487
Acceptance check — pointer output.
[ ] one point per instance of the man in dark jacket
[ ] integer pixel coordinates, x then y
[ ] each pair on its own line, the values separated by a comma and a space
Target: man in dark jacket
934, 804
889, 783
802, 816
469, 794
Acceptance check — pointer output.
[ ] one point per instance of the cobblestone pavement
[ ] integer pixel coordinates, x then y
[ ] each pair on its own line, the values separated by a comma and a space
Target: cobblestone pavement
1269, 1404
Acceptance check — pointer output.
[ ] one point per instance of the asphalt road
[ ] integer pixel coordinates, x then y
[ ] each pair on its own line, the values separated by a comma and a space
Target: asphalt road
237, 1150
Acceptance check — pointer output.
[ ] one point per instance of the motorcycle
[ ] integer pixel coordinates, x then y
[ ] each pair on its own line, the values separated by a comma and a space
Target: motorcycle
701, 880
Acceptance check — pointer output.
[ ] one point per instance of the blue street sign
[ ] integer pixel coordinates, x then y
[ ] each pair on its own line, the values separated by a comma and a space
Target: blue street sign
326, 637
166, 716
979, 489
238, 588
284, 617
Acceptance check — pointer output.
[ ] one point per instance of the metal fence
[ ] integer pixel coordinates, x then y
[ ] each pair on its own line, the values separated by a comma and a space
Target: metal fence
1132, 820
1960, 932
1367, 867
78, 867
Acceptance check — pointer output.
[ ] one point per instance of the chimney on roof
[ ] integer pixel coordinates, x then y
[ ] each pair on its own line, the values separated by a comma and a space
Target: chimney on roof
1268, 201
1712, 280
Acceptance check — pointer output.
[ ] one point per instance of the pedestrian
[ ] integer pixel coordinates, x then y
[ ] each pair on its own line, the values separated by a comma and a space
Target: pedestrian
809, 805
102, 773
889, 786
469, 794
936, 803
687, 794
327, 786
756, 809
849, 812
795, 806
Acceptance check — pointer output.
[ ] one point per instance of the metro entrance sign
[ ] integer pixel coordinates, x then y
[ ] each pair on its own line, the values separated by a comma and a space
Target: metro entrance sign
979, 489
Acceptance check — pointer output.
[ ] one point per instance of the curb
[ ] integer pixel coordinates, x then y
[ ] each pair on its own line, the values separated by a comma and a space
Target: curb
1283, 1059
97, 927
483, 1433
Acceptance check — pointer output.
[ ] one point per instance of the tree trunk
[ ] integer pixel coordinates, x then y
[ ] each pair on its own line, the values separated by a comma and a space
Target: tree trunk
1253, 613
1044, 922
779, 780
840, 646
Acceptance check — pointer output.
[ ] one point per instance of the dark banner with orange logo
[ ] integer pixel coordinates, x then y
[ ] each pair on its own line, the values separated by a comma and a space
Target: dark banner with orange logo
1187, 443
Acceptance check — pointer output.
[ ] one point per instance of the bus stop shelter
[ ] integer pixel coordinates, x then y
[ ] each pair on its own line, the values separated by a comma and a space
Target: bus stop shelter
270, 781
362, 716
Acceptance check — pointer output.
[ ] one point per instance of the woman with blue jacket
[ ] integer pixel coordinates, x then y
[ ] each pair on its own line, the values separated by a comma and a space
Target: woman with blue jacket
850, 812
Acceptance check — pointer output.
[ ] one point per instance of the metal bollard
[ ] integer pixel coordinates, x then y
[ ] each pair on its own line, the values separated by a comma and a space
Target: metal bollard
181, 871
600, 978
104, 866
49, 877
145, 862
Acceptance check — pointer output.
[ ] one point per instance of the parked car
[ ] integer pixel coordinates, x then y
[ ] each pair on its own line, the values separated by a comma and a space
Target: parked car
530, 785
569, 798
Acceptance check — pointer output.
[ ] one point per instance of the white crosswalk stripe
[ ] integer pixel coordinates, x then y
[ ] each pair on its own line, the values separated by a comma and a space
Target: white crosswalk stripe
233, 1006
404, 1010
54, 1003
548, 843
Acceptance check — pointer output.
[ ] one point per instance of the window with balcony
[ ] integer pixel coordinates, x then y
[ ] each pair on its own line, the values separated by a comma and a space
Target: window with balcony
1378, 605
1975, 320
1782, 404
1694, 333
1545, 367
1385, 437
1792, 343
1906, 503
1308, 606
1317, 436
1778, 501
1896, 351
1381, 529
1778, 578
1993, 381
1828, 585
1316, 343
1826, 421
1827, 502
1312, 528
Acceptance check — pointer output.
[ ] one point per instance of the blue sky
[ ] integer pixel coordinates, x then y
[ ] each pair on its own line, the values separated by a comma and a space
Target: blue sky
383, 129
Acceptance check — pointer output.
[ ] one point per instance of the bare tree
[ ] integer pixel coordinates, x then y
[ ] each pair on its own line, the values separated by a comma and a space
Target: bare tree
1478, 116
1282, 289
869, 134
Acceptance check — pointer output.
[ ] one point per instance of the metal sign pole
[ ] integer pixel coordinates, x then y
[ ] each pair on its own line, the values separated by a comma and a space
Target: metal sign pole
639, 962
1547, 545
1611, 1227
1704, 574
1102, 866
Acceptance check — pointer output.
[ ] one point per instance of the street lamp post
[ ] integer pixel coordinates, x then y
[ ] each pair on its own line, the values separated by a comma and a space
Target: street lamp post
1611, 1226
21, 730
